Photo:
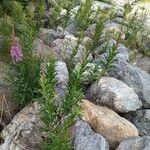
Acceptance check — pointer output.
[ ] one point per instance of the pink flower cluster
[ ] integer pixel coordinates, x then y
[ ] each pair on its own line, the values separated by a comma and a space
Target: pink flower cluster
16, 52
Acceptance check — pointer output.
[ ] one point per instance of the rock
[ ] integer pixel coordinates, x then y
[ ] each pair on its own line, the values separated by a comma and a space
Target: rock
40, 48
91, 73
65, 47
135, 143
121, 49
96, 5
135, 78
115, 29
118, 20
142, 62
114, 94
123, 52
108, 123
24, 130
62, 77
90, 31
119, 11
141, 119
74, 12
121, 3
48, 35
86, 139
44, 51
71, 28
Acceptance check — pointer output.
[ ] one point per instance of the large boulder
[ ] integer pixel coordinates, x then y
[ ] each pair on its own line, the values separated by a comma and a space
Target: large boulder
24, 130
135, 143
141, 119
108, 123
114, 94
133, 77
86, 139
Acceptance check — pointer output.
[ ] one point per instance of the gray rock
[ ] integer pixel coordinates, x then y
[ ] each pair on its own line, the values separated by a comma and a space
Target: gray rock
118, 20
142, 62
119, 11
24, 130
96, 5
141, 119
62, 77
91, 73
135, 78
135, 143
114, 94
121, 3
71, 28
65, 47
86, 139
91, 31
116, 29
49, 35
121, 49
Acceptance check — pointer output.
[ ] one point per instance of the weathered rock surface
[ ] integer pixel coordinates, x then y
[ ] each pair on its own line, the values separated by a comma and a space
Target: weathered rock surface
121, 3
62, 77
135, 143
49, 35
96, 5
23, 131
135, 78
141, 119
114, 94
86, 139
108, 123
142, 62
65, 47
121, 50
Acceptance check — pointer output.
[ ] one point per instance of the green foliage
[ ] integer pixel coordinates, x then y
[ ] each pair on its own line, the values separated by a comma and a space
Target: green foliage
57, 7
100, 25
136, 33
82, 19
108, 62
5, 34
25, 76
5, 7
58, 134
55, 15
69, 5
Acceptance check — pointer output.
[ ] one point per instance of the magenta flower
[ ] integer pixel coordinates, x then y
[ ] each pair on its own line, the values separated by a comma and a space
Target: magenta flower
16, 52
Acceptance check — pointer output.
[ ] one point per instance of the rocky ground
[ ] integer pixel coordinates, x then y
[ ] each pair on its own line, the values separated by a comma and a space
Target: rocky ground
116, 111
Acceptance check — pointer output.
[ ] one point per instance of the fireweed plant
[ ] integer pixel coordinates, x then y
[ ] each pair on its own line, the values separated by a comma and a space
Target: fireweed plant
24, 72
